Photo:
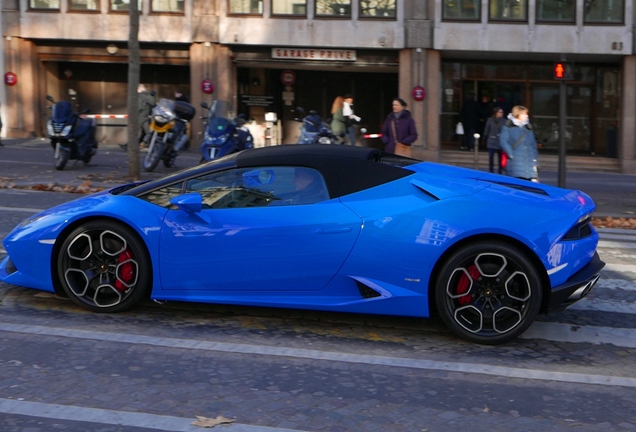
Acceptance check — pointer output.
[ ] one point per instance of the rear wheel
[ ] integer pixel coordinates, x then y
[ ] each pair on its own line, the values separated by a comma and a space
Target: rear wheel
104, 267
488, 293
155, 152
61, 157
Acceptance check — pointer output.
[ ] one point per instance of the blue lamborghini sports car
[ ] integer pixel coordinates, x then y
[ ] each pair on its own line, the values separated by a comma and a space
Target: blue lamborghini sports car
332, 228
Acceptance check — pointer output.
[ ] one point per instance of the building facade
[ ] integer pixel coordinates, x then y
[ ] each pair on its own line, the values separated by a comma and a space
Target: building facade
271, 56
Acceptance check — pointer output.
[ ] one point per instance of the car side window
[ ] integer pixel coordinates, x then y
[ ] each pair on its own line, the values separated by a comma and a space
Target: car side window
259, 187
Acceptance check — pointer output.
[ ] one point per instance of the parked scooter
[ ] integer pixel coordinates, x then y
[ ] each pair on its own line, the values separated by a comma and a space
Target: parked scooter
224, 134
168, 129
314, 130
72, 137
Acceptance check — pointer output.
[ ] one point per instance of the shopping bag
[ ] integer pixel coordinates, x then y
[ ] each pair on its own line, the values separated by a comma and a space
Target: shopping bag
403, 150
459, 129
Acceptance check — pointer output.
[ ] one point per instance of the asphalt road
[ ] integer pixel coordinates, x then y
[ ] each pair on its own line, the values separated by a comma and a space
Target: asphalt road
158, 366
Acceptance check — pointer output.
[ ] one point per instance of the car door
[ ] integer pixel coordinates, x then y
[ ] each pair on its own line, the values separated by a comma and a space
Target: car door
254, 234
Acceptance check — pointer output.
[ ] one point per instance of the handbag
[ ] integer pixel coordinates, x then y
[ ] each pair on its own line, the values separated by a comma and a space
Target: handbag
400, 149
504, 159
459, 129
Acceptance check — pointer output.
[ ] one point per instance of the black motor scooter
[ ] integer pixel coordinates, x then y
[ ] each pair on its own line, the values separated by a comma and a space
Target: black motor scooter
72, 137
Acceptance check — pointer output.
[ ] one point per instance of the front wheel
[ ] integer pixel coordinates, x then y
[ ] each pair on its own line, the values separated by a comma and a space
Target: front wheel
104, 267
61, 157
488, 293
155, 152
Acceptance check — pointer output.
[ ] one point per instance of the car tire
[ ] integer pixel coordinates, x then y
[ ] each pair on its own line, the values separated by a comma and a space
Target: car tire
155, 153
488, 292
103, 266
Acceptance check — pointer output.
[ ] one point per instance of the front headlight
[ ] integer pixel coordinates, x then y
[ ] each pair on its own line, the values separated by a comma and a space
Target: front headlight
67, 130
30, 220
49, 128
160, 119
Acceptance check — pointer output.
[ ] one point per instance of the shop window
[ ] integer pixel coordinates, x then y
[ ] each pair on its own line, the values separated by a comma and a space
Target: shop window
556, 11
252, 7
122, 5
289, 7
172, 6
469, 10
604, 11
333, 8
378, 8
45, 4
83, 5
508, 10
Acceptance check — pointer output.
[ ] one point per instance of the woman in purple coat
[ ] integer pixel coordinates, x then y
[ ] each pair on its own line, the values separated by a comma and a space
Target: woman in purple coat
399, 129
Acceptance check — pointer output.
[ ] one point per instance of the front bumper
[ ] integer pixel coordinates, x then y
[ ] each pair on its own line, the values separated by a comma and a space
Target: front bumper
577, 287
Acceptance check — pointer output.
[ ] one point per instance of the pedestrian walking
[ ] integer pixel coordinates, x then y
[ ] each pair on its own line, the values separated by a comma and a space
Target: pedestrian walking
146, 102
398, 130
518, 141
492, 131
338, 122
350, 118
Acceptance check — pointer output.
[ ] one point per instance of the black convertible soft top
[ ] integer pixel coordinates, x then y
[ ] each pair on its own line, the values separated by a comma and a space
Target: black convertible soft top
346, 169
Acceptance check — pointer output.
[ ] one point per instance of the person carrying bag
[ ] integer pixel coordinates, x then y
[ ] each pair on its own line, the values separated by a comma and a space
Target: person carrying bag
518, 141
398, 131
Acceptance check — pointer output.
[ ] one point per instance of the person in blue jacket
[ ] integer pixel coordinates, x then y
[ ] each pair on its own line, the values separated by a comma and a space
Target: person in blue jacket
518, 141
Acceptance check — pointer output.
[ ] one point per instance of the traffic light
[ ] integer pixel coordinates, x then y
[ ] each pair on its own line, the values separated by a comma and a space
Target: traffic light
563, 71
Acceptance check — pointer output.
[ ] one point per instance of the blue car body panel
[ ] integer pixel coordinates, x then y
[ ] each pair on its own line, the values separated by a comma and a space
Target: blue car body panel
388, 238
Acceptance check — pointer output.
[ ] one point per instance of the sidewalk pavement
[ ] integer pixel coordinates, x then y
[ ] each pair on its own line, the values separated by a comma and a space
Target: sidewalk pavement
28, 163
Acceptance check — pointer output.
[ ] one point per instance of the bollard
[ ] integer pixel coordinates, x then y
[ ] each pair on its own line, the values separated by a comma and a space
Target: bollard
476, 162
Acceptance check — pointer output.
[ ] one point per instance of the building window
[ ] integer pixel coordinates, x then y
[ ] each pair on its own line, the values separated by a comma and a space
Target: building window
604, 11
333, 8
45, 4
461, 10
508, 10
122, 5
173, 6
378, 8
556, 11
252, 7
83, 5
289, 7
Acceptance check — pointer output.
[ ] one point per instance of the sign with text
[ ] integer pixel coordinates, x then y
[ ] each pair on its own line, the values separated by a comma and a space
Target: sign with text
257, 100
313, 54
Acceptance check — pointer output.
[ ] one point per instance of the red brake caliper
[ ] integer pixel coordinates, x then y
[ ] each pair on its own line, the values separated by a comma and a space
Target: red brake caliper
464, 284
126, 271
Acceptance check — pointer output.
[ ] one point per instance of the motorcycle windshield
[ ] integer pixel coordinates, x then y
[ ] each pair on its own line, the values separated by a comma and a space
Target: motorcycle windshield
62, 112
219, 118
165, 108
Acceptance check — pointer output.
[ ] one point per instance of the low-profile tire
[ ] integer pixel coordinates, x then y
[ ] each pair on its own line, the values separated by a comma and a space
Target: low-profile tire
103, 266
61, 158
488, 293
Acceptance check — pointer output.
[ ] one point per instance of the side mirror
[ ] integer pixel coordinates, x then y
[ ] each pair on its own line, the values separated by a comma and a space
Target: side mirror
205, 105
50, 99
189, 203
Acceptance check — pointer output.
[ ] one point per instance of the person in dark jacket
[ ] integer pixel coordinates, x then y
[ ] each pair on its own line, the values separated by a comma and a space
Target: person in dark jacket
398, 128
492, 130
469, 117
520, 144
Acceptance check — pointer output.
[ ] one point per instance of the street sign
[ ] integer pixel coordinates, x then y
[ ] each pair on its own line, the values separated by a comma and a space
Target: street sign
207, 86
288, 77
10, 79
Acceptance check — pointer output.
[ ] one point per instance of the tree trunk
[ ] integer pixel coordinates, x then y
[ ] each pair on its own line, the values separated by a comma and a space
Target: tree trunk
133, 98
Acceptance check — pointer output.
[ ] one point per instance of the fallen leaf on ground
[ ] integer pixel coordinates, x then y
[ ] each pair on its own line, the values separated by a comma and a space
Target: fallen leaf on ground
205, 422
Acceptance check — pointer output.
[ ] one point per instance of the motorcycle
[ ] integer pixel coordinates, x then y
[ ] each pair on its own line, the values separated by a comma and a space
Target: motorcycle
168, 132
224, 134
314, 130
72, 137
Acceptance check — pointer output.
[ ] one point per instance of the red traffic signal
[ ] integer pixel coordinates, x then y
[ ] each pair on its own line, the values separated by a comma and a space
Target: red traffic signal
563, 71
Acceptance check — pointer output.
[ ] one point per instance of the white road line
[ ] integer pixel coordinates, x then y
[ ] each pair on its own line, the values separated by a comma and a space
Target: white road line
120, 418
582, 334
616, 244
21, 209
615, 306
621, 268
469, 368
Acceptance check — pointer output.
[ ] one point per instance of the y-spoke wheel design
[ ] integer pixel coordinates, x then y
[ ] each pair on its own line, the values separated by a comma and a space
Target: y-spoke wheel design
103, 266
488, 293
